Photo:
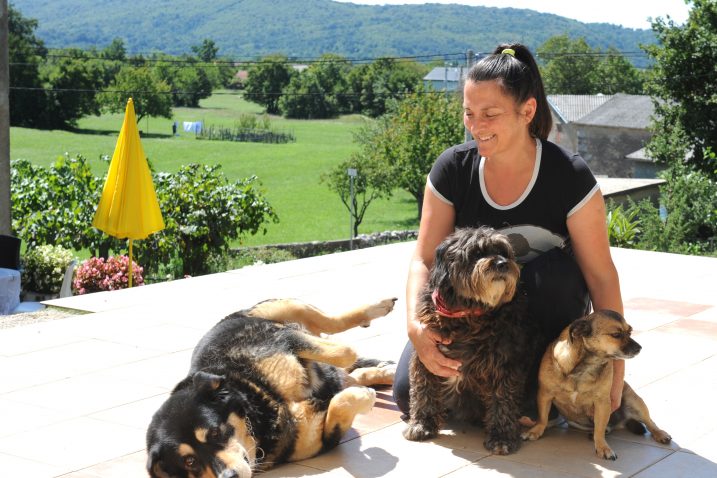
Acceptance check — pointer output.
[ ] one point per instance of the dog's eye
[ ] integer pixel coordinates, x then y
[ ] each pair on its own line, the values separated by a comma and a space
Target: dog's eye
617, 335
214, 434
190, 461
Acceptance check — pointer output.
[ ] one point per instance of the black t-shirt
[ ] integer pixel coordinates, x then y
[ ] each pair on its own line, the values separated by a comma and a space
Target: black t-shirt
537, 221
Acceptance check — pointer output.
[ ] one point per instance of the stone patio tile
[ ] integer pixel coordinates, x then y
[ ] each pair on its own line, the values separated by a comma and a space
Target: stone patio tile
84, 394
68, 360
19, 417
664, 354
679, 403
387, 453
645, 314
571, 452
16, 466
136, 414
128, 466
31, 338
704, 446
495, 467
73, 444
698, 328
163, 371
680, 465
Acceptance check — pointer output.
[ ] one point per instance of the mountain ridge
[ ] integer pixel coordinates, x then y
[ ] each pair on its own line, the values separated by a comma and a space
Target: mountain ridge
308, 28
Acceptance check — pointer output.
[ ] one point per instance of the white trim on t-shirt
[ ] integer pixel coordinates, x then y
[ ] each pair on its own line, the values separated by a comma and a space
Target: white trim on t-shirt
584, 200
438, 195
528, 188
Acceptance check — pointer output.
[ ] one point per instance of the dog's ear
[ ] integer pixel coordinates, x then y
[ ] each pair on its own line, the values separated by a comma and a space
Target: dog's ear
152, 461
207, 382
440, 272
580, 328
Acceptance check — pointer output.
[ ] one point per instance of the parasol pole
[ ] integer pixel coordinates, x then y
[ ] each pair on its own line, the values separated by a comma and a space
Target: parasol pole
130, 263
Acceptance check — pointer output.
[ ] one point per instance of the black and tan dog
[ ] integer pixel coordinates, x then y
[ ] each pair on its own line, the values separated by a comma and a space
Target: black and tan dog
576, 376
471, 299
264, 388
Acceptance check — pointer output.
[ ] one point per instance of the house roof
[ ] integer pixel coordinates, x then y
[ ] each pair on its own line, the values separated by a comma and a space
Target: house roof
443, 73
571, 108
621, 111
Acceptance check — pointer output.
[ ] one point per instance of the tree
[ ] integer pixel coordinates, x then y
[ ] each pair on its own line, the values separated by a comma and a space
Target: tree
313, 93
267, 80
372, 181
570, 66
207, 51
219, 73
151, 95
72, 81
26, 54
683, 85
189, 82
615, 74
398, 149
381, 81
418, 129
573, 67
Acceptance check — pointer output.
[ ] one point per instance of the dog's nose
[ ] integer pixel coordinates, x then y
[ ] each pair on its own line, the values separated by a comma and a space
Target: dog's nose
229, 474
501, 264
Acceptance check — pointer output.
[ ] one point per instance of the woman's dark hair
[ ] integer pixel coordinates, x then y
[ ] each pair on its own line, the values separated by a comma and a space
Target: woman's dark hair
519, 76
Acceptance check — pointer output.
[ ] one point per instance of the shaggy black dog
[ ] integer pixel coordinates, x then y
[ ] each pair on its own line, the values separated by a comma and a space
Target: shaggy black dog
472, 299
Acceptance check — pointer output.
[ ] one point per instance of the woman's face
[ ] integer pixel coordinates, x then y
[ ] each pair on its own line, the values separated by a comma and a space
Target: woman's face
494, 119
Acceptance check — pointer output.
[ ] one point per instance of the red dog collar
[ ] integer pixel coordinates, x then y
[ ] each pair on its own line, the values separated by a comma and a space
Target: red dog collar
443, 310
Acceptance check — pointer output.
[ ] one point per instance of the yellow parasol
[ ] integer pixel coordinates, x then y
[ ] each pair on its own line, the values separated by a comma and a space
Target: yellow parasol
128, 206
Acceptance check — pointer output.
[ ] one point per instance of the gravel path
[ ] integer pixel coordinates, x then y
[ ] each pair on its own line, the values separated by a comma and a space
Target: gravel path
27, 318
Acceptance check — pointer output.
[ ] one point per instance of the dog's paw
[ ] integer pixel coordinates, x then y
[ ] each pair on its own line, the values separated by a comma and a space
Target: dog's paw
366, 399
661, 436
604, 451
533, 434
501, 446
418, 432
379, 309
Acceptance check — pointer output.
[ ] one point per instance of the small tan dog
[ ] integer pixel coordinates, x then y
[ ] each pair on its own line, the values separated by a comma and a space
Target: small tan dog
576, 375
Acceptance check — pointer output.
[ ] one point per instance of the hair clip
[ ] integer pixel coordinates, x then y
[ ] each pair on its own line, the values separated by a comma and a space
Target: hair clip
508, 51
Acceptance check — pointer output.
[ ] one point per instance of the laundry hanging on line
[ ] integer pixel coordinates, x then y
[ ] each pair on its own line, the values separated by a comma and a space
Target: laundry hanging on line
193, 126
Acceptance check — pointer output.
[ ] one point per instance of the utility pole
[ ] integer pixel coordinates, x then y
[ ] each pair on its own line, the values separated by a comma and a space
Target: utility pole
352, 174
5, 210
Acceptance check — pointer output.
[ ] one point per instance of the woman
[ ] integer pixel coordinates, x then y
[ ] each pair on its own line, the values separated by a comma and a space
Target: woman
544, 198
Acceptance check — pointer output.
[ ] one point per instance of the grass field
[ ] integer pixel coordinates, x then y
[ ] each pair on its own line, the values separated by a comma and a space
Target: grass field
289, 173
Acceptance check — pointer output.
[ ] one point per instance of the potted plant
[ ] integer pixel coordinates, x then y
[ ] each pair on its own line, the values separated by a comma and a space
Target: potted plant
43, 271
97, 274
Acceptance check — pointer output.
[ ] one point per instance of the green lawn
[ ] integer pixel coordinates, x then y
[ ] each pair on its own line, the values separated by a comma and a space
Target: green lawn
289, 173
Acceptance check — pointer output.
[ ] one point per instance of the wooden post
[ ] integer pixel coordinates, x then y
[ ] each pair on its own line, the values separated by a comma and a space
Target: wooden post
5, 207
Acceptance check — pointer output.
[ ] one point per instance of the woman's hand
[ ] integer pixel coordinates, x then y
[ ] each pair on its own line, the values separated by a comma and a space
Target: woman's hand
426, 342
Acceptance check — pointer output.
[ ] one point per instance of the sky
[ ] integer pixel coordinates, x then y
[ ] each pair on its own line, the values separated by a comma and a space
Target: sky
628, 13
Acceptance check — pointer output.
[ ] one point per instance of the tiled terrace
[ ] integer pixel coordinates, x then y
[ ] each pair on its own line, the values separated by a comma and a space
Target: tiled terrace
76, 394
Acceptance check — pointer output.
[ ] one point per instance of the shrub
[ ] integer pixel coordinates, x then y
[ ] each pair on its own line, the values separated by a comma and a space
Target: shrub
202, 209
44, 268
688, 222
56, 205
622, 227
97, 274
203, 212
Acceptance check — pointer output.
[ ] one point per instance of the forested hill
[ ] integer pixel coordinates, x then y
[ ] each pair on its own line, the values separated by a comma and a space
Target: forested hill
307, 28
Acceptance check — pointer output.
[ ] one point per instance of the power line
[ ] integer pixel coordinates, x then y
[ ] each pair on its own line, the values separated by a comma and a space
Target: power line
236, 62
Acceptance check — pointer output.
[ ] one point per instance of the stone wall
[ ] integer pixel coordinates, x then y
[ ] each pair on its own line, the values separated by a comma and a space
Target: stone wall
315, 248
